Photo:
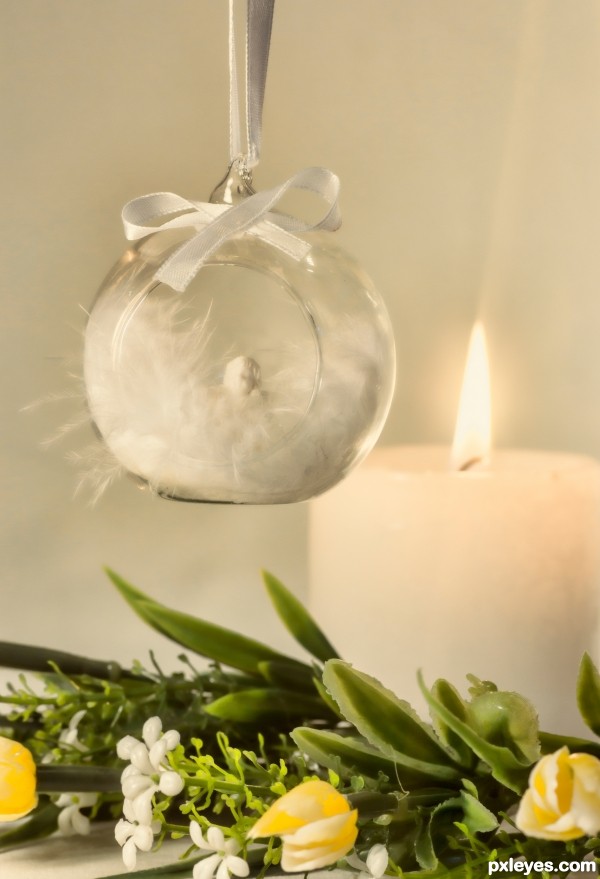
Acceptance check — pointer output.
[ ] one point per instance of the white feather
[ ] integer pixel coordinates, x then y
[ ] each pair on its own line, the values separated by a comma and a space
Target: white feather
196, 429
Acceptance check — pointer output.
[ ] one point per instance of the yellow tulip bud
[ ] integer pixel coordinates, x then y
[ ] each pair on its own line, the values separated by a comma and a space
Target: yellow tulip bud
563, 798
316, 824
17, 781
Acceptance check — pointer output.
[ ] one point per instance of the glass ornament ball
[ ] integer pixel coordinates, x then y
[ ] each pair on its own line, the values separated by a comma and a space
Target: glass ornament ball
265, 382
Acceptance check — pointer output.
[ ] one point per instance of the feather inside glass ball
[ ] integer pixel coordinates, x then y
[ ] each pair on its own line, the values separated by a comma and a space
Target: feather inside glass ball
264, 382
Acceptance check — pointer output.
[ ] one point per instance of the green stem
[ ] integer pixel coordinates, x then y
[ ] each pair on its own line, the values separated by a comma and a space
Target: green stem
79, 696
227, 787
176, 828
79, 779
39, 659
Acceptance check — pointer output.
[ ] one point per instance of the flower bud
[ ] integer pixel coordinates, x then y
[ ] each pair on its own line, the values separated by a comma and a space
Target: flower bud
563, 799
17, 781
316, 824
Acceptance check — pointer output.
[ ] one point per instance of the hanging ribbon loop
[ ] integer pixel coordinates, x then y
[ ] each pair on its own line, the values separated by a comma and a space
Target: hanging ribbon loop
259, 21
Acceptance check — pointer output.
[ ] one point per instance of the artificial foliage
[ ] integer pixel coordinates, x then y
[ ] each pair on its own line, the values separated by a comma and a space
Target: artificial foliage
424, 798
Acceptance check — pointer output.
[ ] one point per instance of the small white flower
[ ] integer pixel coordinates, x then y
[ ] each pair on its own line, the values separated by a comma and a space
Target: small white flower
223, 860
70, 736
375, 865
70, 819
132, 837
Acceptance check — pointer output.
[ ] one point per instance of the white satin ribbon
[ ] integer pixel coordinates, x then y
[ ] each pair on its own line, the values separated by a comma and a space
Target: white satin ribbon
216, 223
259, 20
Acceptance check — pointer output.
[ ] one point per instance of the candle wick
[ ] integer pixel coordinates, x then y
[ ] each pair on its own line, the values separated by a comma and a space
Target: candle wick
470, 463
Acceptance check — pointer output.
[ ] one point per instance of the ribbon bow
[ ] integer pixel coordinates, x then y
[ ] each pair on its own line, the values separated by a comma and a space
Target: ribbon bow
216, 223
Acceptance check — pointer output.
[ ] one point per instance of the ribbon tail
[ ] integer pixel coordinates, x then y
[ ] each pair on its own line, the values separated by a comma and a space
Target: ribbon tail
258, 30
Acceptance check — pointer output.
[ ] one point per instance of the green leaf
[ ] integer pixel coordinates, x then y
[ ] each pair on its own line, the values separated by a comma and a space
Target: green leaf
435, 827
297, 620
286, 674
387, 722
424, 851
43, 659
38, 825
332, 751
470, 787
588, 693
550, 743
329, 702
506, 767
477, 818
249, 706
445, 693
215, 642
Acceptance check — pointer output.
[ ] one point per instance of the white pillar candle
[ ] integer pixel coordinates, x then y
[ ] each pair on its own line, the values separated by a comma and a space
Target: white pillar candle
494, 571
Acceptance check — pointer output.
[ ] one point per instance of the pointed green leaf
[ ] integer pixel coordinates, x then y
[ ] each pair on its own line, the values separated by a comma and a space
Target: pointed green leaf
506, 767
334, 751
250, 706
285, 674
215, 642
387, 722
470, 787
297, 620
588, 693
38, 825
550, 742
424, 851
43, 659
449, 696
477, 817
329, 702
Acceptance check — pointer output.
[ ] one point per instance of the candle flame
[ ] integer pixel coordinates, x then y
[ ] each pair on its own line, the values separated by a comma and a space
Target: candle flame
473, 432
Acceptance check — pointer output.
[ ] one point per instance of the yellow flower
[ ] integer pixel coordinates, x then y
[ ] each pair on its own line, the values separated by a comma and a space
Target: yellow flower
316, 824
563, 799
17, 781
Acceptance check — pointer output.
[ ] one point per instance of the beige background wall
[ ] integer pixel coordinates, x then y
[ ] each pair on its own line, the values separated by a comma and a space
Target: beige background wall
467, 137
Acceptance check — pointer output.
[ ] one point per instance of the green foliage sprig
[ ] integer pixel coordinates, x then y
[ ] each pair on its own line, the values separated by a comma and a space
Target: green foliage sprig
440, 795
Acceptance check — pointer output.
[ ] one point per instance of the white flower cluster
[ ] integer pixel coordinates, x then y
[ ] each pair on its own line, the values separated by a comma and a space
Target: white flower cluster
148, 772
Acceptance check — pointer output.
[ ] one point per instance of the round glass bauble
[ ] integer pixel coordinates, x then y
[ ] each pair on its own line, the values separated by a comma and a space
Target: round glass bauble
264, 382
